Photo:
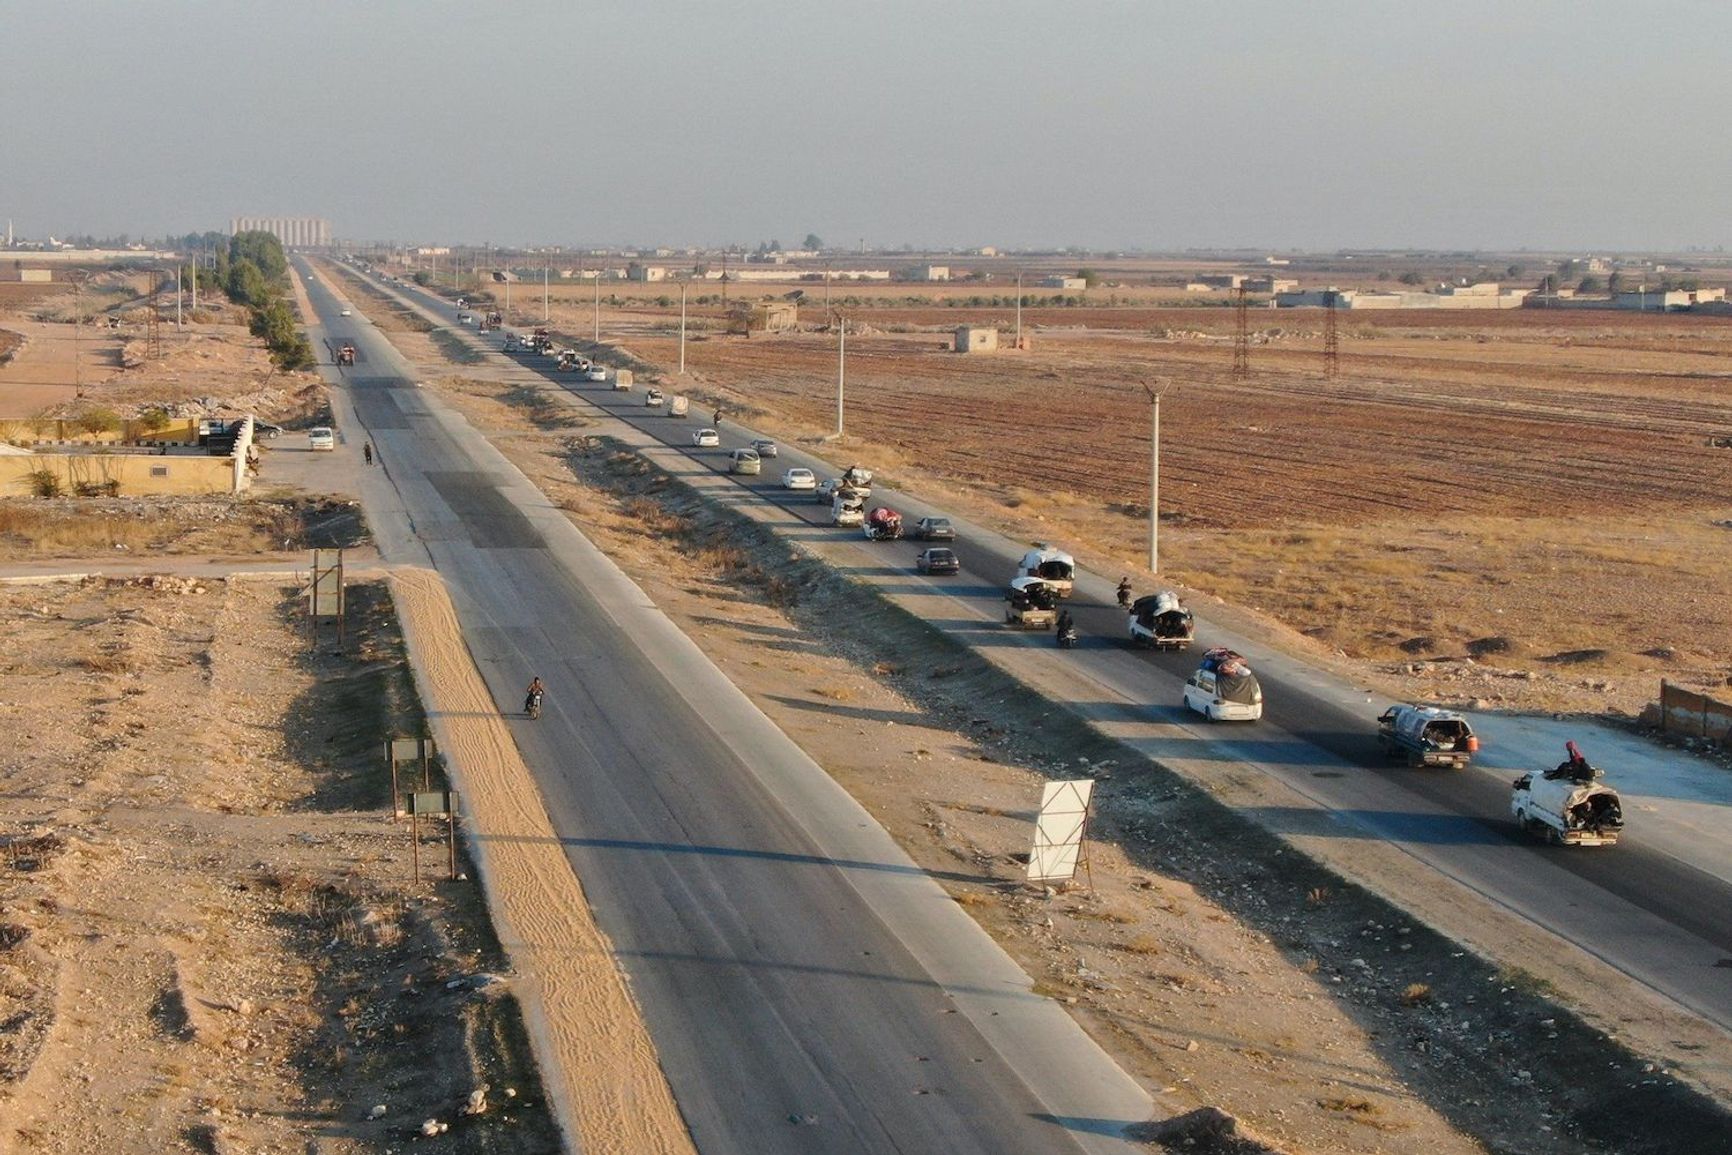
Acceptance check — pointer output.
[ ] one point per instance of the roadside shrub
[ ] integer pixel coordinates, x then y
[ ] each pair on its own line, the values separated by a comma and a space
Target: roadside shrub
43, 482
153, 421
109, 488
98, 421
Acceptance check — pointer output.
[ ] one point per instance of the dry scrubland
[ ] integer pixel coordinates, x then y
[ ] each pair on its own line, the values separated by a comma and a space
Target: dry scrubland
1477, 495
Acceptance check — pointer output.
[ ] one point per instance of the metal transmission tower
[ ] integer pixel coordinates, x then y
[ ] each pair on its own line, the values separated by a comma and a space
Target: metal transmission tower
152, 332
1241, 335
1331, 337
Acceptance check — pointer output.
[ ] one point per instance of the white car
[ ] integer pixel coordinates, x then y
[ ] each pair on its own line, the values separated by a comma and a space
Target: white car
653, 398
346, 312
596, 373
706, 439
321, 437
765, 447
799, 479
1224, 689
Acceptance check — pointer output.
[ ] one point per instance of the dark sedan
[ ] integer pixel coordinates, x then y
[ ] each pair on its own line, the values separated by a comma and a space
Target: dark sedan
933, 529
937, 561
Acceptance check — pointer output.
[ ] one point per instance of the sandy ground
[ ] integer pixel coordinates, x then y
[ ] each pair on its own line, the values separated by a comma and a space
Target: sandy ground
210, 939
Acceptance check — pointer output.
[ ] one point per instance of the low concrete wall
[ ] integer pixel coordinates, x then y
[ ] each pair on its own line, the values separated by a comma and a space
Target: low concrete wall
133, 474
57, 431
1694, 714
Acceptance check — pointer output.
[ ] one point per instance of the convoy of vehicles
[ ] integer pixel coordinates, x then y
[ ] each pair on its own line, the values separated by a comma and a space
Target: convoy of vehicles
1224, 689
1566, 805
1426, 736
1161, 622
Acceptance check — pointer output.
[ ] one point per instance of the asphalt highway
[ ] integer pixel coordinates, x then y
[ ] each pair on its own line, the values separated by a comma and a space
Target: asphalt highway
1653, 906
807, 987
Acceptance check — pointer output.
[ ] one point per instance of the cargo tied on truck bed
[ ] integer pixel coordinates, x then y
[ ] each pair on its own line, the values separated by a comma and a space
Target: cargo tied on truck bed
1426, 736
1161, 622
1566, 805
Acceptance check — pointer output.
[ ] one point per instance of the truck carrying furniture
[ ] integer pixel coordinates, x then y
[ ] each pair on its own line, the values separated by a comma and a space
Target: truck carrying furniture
1566, 805
678, 405
847, 507
882, 524
1224, 688
1031, 604
1426, 736
1053, 566
1160, 621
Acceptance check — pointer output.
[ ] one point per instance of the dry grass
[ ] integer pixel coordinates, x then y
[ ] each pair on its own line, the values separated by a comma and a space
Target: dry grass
1415, 994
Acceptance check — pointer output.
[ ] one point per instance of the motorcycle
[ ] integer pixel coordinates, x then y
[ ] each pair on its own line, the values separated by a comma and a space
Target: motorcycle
1124, 596
1067, 638
532, 704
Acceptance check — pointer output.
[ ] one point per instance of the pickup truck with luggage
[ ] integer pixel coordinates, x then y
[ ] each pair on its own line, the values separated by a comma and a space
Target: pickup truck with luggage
1426, 736
1567, 805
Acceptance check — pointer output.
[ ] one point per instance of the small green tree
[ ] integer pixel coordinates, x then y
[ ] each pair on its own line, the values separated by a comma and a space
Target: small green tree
1590, 284
1090, 278
1615, 283
1412, 278
813, 241
98, 421
246, 283
43, 482
153, 420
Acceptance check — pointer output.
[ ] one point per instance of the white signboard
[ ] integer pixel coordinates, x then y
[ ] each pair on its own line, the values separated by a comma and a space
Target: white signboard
1058, 832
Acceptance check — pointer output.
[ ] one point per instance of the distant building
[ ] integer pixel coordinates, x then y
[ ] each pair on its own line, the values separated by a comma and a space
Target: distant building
984, 251
1069, 284
637, 272
932, 273
1198, 287
1221, 280
976, 339
36, 276
1267, 283
773, 317
293, 232
1667, 300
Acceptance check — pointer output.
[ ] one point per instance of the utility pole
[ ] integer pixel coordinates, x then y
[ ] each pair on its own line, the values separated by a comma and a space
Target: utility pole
1019, 309
1241, 336
841, 368
508, 295
598, 304
78, 335
544, 313
682, 330
1154, 476
177, 286
195, 263
1331, 336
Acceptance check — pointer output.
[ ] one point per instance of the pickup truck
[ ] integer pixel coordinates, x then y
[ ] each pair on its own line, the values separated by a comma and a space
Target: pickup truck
1567, 806
1426, 736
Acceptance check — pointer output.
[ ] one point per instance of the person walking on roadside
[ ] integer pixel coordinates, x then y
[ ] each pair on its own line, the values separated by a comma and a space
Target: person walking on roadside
367, 452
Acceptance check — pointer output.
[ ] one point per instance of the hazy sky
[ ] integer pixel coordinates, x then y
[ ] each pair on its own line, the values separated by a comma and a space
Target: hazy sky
1563, 125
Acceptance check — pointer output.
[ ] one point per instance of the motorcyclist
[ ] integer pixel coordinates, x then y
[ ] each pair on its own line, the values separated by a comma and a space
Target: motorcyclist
532, 696
1125, 593
1066, 624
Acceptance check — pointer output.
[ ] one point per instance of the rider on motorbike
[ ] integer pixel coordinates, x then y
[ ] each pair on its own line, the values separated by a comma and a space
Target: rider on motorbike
1125, 592
532, 696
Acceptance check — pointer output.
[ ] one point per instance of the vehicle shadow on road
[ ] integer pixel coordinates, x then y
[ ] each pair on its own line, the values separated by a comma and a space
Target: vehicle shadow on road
1379, 826
745, 852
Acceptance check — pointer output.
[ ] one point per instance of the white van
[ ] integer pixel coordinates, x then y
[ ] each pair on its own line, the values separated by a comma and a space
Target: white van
745, 461
321, 437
